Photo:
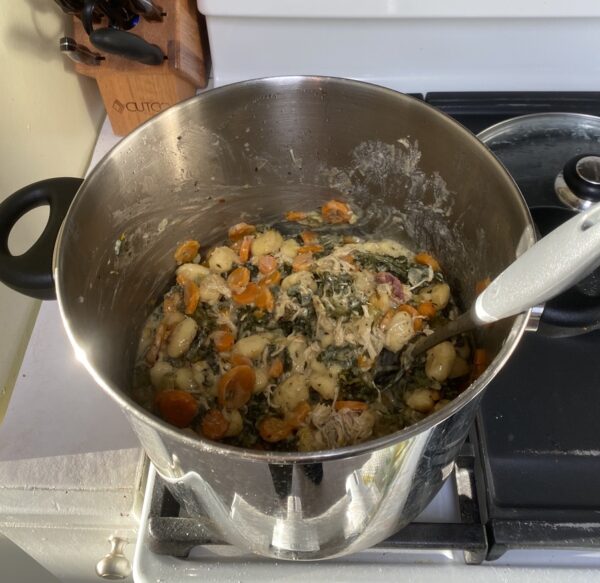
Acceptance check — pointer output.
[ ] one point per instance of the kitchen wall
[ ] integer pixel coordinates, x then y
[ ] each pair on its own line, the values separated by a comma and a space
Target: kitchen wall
49, 121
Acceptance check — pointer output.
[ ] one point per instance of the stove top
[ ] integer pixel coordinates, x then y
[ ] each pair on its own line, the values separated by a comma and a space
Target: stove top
529, 477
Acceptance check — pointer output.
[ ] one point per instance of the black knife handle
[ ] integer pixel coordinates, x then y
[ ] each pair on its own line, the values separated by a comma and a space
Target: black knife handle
31, 272
128, 45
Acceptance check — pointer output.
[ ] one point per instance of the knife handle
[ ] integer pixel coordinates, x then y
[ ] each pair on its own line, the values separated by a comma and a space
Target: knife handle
79, 53
128, 45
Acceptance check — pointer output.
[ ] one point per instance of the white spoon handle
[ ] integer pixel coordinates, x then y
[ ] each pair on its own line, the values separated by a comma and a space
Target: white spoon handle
552, 265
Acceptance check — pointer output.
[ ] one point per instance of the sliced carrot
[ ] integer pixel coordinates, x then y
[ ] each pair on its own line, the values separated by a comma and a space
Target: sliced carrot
264, 299
295, 216
214, 425
238, 279
177, 407
387, 318
336, 212
154, 350
276, 368
480, 362
427, 310
187, 251
267, 264
191, 296
310, 249
349, 259
352, 405
245, 249
309, 237
223, 340
248, 296
273, 429
427, 259
417, 322
298, 414
272, 278
241, 230
482, 284
236, 386
302, 262
238, 359
172, 302
364, 361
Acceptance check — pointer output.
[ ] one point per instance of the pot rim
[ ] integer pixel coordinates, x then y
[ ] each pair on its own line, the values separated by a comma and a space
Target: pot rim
201, 444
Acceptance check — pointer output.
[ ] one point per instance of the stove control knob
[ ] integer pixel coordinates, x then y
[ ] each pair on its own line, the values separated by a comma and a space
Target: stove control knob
114, 565
578, 185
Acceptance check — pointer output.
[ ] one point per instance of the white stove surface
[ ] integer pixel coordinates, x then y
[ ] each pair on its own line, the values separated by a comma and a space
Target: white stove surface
225, 563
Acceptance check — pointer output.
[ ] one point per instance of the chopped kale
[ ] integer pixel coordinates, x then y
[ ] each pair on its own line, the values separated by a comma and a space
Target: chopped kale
397, 266
303, 299
251, 321
345, 356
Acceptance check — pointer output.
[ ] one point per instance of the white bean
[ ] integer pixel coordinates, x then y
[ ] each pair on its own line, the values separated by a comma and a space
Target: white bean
440, 295
182, 337
160, 373
324, 384
399, 331
301, 278
202, 373
184, 379
212, 287
289, 249
236, 423
222, 259
290, 392
422, 400
440, 404
460, 368
262, 380
439, 361
192, 272
266, 243
252, 346
296, 348
171, 319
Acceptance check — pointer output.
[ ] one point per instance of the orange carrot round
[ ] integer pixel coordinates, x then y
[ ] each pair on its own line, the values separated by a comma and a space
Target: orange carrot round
273, 429
276, 368
427, 259
309, 237
267, 264
177, 407
336, 212
238, 279
264, 299
214, 425
223, 340
272, 278
241, 230
191, 296
427, 310
302, 262
298, 414
352, 405
310, 249
295, 216
245, 248
187, 251
248, 296
236, 386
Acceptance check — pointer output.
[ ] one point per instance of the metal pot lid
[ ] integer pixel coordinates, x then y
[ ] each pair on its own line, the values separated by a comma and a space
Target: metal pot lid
555, 160
553, 157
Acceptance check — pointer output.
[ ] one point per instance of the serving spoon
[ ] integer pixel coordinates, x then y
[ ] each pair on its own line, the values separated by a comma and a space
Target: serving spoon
552, 265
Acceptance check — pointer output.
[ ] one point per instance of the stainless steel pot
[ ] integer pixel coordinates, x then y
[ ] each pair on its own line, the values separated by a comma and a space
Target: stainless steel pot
255, 149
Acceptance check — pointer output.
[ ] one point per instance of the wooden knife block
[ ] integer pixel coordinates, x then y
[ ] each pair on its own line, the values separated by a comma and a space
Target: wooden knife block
133, 92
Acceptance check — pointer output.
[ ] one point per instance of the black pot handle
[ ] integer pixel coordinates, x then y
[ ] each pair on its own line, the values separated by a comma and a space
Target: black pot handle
31, 273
